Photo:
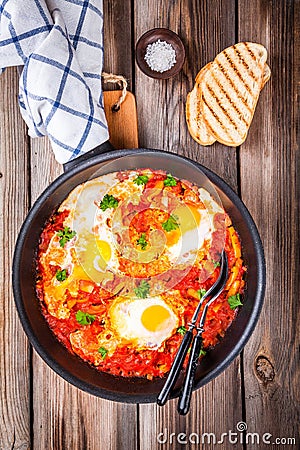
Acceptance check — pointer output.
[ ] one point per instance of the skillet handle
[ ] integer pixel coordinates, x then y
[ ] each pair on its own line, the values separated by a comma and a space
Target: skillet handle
105, 147
185, 397
175, 369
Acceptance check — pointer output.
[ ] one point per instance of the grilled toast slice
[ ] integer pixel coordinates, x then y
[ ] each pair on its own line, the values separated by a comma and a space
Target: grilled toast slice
267, 74
227, 110
230, 90
195, 122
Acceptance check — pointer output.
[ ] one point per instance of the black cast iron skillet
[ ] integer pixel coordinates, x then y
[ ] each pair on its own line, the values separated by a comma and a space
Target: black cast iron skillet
71, 367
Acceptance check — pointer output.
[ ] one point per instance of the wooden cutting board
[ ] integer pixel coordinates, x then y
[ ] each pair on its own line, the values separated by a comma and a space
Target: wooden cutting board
122, 124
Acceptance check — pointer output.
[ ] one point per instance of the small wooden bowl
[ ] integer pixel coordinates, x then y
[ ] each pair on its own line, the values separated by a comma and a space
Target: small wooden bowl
164, 35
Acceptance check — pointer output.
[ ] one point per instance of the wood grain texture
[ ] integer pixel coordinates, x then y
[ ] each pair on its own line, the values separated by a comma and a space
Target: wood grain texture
265, 170
14, 349
118, 39
65, 417
270, 157
205, 28
122, 124
217, 407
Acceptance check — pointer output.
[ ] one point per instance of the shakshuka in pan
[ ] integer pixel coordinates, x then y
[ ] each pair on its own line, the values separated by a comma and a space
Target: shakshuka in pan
123, 263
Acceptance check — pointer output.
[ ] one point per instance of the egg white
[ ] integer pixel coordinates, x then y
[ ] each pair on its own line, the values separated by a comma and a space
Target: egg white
126, 319
95, 248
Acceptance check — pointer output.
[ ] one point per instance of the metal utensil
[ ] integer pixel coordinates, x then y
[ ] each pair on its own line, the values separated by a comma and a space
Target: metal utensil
214, 291
186, 393
77, 371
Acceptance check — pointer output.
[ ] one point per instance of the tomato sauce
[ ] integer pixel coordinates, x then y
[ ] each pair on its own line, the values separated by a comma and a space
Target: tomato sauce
127, 360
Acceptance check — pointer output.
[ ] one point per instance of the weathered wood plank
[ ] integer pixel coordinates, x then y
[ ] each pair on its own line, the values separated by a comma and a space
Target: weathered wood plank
14, 349
65, 417
270, 188
117, 36
206, 28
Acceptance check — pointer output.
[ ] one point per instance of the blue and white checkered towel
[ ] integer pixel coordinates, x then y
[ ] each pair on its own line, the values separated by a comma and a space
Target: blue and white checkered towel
60, 45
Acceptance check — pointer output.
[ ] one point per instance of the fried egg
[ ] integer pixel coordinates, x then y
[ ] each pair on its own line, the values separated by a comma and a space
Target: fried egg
145, 323
96, 244
194, 228
95, 255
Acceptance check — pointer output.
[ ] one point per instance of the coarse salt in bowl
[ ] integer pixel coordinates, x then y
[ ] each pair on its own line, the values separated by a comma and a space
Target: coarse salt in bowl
160, 53
160, 56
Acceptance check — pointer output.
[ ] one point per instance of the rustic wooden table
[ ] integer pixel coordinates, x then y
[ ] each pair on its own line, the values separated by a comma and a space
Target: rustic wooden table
39, 410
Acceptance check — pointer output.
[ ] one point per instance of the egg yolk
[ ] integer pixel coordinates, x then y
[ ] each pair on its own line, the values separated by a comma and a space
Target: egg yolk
105, 251
188, 216
154, 317
93, 255
95, 249
188, 219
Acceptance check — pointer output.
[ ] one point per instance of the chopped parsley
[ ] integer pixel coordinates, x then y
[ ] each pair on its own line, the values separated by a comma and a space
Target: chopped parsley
141, 179
84, 318
65, 235
235, 301
103, 352
201, 292
170, 181
108, 201
142, 241
61, 275
143, 289
182, 330
170, 224
216, 263
202, 352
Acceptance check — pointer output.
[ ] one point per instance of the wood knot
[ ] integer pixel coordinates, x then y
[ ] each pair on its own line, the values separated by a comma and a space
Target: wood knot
264, 369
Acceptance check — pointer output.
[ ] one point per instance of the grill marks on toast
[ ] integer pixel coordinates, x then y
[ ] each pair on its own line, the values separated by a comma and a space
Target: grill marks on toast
237, 72
229, 106
216, 116
254, 58
245, 64
224, 72
227, 93
229, 99
224, 110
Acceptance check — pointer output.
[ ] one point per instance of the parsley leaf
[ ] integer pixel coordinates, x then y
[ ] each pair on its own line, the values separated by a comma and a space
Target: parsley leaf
170, 181
142, 241
142, 291
103, 352
61, 275
235, 301
84, 318
141, 179
216, 263
202, 352
108, 201
170, 224
65, 235
182, 330
201, 292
